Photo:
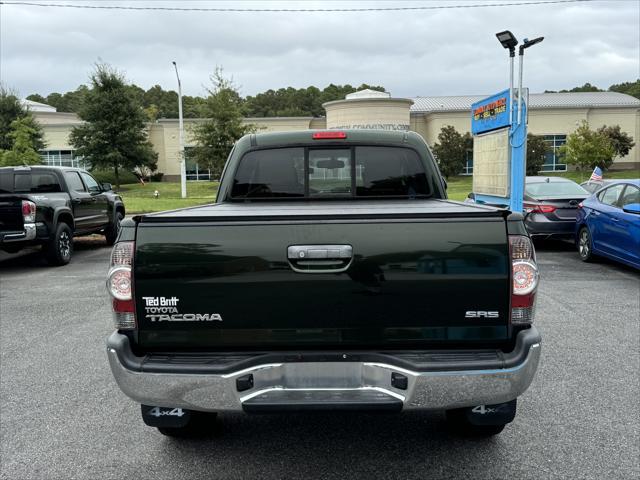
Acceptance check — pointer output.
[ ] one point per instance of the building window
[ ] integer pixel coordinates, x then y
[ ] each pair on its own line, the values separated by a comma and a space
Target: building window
554, 161
62, 158
468, 163
195, 171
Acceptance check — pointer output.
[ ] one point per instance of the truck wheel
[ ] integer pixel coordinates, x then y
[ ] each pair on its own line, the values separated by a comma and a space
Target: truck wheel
111, 232
585, 245
59, 248
200, 424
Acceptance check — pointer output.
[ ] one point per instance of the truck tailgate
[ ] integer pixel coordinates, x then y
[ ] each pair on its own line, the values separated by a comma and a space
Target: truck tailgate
10, 213
420, 273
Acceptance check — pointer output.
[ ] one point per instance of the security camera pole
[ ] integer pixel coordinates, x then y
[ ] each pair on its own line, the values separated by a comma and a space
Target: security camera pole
526, 44
183, 167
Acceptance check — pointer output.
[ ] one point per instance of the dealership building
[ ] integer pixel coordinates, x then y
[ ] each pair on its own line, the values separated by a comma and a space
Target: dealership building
552, 115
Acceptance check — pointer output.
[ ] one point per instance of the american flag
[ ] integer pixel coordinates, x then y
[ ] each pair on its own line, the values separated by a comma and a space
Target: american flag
596, 176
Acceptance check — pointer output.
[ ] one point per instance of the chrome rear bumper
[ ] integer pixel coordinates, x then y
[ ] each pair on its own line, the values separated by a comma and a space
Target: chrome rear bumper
27, 234
316, 384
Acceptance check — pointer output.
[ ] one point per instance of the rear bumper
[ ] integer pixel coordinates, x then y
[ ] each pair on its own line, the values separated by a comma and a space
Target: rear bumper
539, 224
299, 385
27, 234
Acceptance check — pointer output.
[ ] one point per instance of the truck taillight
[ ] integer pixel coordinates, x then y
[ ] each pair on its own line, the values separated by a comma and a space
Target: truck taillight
28, 211
120, 285
525, 277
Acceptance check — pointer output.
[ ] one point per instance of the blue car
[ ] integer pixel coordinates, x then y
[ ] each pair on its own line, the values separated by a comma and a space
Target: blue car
608, 223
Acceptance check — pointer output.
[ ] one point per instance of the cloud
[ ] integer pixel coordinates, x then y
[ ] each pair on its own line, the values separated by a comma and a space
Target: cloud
435, 52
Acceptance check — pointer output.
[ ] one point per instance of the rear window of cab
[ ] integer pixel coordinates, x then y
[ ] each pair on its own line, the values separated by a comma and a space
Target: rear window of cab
29, 182
360, 171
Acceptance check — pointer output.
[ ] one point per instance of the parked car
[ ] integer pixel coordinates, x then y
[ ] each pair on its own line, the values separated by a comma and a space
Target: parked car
48, 206
593, 186
551, 205
332, 273
608, 224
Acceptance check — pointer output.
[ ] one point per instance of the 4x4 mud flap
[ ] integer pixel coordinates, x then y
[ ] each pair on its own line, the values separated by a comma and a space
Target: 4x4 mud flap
499, 414
165, 417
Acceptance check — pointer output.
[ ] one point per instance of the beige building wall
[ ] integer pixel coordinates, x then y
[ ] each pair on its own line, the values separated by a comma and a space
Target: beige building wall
279, 124
429, 125
56, 137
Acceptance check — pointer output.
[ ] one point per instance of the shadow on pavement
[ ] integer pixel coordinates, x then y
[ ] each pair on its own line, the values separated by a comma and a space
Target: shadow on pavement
32, 257
554, 245
568, 248
326, 443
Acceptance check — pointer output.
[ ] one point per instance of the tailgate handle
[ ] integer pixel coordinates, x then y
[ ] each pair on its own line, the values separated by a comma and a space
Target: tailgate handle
320, 258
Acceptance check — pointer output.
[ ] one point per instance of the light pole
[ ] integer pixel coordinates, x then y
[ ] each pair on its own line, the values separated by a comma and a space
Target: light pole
526, 44
508, 40
183, 167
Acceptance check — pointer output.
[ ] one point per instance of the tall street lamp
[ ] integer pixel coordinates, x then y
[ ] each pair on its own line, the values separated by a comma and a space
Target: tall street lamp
508, 40
183, 167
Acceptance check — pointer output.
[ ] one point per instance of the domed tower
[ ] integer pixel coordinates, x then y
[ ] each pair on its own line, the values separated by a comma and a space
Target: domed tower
368, 109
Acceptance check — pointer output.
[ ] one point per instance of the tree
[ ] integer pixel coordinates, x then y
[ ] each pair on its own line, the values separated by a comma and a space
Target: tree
587, 87
537, 150
22, 151
67, 102
630, 88
621, 142
302, 102
216, 135
37, 98
451, 150
12, 109
113, 135
587, 149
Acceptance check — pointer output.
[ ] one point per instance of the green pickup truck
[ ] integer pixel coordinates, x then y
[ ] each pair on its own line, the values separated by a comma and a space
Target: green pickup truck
332, 273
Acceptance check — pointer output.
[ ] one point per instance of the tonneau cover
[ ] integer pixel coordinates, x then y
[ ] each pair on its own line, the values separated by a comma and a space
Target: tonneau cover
317, 209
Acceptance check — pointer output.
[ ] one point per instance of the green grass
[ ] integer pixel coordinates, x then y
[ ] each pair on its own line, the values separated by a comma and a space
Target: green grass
584, 176
459, 187
139, 198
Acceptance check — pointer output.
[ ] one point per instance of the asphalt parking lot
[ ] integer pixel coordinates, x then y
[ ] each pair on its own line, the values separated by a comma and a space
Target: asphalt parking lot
62, 415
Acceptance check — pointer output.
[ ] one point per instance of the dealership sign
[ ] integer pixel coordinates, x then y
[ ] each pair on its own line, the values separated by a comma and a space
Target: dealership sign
499, 150
491, 113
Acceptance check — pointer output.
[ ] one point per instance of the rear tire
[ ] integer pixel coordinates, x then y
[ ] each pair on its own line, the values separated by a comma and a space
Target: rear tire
59, 248
585, 245
111, 232
200, 424
459, 424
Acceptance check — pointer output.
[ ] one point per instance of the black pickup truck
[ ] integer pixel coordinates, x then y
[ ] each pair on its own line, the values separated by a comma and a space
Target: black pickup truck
48, 206
331, 273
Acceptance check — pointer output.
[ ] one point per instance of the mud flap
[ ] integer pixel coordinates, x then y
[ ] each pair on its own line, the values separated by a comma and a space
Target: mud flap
165, 417
498, 414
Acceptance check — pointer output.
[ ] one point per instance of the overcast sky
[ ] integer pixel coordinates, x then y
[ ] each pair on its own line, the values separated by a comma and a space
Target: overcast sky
414, 53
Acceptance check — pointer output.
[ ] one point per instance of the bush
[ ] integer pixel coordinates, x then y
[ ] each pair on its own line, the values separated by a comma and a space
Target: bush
108, 176
157, 177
